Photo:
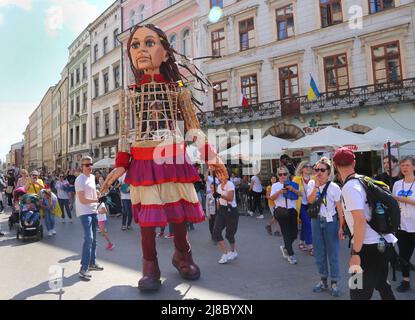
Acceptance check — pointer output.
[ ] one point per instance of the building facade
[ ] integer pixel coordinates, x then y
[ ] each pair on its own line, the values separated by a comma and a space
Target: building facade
106, 81
35, 138
26, 148
46, 124
363, 68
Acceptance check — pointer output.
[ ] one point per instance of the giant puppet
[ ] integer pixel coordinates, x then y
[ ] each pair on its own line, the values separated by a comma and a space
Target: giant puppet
152, 150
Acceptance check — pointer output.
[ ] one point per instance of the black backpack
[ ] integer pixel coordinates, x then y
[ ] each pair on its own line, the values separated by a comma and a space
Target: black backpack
379, 195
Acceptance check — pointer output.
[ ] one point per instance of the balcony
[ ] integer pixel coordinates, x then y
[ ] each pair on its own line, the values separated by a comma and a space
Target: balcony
358, 97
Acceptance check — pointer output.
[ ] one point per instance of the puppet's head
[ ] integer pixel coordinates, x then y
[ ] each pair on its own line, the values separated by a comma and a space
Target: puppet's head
151, 53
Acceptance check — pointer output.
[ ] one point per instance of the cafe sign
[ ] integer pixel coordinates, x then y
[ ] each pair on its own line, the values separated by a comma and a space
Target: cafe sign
314, 127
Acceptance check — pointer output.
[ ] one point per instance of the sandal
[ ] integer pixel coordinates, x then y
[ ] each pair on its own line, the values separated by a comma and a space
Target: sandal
302, 247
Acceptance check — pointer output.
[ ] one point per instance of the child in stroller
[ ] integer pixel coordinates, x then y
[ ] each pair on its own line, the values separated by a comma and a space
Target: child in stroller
17, 197
29, 211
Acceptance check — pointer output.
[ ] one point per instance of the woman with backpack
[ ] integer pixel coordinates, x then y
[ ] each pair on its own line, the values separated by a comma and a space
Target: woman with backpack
327, 226
404, 193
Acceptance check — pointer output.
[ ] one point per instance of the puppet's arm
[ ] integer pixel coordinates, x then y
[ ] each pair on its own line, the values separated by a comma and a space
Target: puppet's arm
192, 125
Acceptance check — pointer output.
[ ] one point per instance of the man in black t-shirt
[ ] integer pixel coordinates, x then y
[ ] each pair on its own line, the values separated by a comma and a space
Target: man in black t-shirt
396, 172
286, 161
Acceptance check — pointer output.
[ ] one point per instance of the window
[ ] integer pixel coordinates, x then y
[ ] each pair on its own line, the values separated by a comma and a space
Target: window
285, 22
249, 88
77, 135
336, 73
116, 77
105, 44
72, 80
173, 41
84, 71
106, 82
107, 123
132, 18
83, 133
380, 5
71, 137
97, 126
96, 52
96, 87
216, 3
72, 107
116, 42
186, 43
218, 42
141, 13
386, 61
331, 12
78, 104
220, 94
117, 121
85, 100
288, 77
246, 34
78, 75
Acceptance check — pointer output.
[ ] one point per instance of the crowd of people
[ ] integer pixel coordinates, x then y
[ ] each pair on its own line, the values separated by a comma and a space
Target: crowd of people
303, 201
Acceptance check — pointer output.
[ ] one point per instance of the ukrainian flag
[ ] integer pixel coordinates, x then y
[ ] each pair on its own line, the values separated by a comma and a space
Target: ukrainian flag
313, 92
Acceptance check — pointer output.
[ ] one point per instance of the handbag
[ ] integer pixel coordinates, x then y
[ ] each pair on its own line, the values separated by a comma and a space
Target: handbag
314, 209
281, 212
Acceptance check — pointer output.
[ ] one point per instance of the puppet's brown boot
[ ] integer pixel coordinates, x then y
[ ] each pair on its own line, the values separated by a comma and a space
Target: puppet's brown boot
183, 262
151, 276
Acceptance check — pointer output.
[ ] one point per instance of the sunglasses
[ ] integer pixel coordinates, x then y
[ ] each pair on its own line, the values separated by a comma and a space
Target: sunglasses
282, 174
88, 164
320, 170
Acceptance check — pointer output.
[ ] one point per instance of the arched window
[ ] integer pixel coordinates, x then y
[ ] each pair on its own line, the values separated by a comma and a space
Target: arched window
141, 13
186, 43
132, 18
173, 41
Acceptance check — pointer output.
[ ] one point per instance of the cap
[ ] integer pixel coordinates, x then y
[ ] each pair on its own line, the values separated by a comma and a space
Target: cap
34, 173
343, 156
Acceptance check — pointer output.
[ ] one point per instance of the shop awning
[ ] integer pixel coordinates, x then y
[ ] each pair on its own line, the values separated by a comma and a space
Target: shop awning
104, 163
380, 136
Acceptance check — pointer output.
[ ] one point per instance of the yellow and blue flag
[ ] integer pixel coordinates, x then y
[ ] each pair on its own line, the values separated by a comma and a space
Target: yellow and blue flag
313, 92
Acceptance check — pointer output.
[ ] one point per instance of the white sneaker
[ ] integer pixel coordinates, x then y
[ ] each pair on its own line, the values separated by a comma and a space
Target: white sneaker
292, 260
284, 252
232, 255
63, 220
223, 259
50, 233
251, 213
53, 231
70, 221
260, 216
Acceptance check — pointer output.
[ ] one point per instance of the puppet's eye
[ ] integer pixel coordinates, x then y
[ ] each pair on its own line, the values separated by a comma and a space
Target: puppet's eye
150, 43
135, 45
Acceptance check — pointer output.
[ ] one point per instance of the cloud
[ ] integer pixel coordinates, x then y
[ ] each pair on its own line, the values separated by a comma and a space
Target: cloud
24, 4
13, 122
74, 15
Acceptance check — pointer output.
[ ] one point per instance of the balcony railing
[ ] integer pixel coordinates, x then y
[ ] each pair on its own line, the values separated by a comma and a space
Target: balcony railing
358, 97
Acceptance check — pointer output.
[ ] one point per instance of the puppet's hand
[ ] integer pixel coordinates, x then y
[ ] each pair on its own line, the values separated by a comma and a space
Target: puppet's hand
220, 170
114, 175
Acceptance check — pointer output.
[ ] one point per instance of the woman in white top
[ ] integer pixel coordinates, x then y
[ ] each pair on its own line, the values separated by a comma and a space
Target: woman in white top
226, 217
404, 193
288, 224
327, 227
256, 191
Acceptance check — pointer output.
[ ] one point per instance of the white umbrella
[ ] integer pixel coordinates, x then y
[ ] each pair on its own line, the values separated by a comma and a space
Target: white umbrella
267, 148
104, 163
331, 137
379, 136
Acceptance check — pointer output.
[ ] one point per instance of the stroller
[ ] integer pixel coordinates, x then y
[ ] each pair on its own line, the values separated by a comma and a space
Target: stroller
15, 216
30, 225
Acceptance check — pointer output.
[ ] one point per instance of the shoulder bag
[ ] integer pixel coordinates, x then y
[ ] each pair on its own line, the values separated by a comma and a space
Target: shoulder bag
314, 208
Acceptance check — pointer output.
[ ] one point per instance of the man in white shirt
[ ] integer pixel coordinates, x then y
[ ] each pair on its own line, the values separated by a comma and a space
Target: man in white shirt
367, 243
86, 210
256, 189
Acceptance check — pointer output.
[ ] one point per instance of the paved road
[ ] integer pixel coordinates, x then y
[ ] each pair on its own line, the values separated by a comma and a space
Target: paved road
259, 273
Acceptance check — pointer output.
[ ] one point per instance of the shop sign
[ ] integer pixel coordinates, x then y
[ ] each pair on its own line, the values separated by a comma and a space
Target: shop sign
314, 126
352, 147
298, 154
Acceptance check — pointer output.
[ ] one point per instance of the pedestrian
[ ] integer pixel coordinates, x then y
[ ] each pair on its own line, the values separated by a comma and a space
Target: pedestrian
70, 177
11, 184
244, 194
209, 182
127, 211
3, 185
62, 187
271, 206
396, 173
302, 178
286, 161
256, 189
49, 205
327, 227
86, 209
237, 182
211, 209
227, 218
288, 222
35, 184
102, 219
404, 193
371, 252
170, 235
23, 179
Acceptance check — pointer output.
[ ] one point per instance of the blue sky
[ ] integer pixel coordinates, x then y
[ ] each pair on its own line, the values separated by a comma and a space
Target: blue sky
35, 35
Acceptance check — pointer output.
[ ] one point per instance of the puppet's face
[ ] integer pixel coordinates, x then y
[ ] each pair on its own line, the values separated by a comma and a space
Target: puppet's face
147, 52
